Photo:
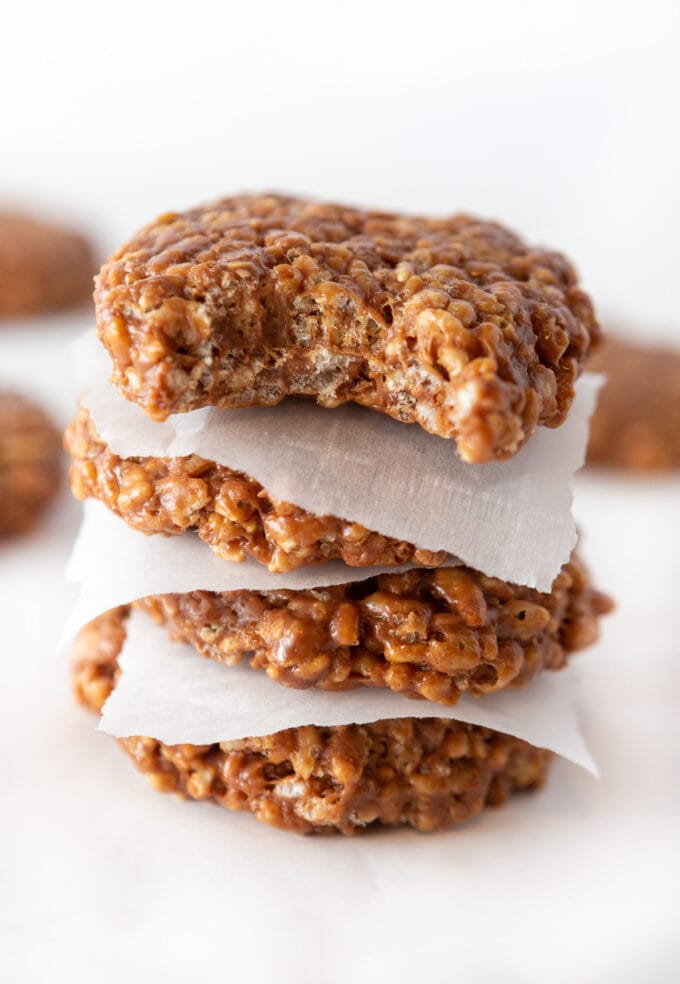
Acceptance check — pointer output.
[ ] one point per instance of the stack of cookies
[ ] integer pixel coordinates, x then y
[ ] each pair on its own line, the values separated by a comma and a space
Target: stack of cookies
451, 325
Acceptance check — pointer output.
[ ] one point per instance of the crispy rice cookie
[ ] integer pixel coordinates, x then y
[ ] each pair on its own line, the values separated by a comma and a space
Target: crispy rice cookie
452, 323
230, 511
424, 633
637, 423
428, 773
30, 463
42, 267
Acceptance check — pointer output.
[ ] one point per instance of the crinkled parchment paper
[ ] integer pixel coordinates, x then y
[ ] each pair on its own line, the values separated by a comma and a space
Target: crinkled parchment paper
510, 519
115, 564
168, 691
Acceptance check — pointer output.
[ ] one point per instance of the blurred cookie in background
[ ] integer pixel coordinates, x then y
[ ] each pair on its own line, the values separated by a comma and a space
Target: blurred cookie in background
30, 463
636, 426
43, 267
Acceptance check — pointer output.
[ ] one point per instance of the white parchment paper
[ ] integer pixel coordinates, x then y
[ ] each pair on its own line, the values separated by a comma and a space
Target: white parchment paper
114, 565
510, 519
168, 691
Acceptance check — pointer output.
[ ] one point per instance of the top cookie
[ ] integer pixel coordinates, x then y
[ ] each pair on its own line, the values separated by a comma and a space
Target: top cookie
452, 323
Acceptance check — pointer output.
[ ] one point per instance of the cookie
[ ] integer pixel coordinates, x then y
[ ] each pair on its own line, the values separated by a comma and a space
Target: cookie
428, 774
636, 426
423, 633
43, 267
229, 511
30, 463
453, 323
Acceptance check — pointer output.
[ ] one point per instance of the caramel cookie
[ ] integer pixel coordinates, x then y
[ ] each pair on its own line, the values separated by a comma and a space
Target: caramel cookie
428, 773
451, 323
423, 633
30, 463
43, 267
636, 426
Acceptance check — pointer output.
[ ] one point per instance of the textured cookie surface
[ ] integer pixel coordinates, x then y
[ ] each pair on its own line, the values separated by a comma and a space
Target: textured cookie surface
423, 633
637, 422
30, 463
428, 774
230, 511
43, 267
452, 323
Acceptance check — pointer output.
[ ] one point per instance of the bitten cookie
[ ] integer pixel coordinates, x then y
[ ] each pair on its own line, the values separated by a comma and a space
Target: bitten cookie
452, 323
428, 774
423, 633
637, 422
229, 510
30, 463
43, 267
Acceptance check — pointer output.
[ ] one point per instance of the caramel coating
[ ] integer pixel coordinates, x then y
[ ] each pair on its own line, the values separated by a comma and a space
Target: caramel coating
452, 323
230, 511
43, 267
30, 463
429, 773
636, 426
423, 633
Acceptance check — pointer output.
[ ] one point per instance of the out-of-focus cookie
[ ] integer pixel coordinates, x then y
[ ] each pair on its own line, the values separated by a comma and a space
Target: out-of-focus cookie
428, 774
43, 267
637, 422
30, 463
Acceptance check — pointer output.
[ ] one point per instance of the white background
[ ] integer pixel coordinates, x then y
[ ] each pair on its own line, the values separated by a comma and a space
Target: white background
561, 120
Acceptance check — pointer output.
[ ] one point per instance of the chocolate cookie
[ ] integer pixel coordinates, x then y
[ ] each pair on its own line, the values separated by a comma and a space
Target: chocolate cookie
30, 463
452, 323
428, 773
43, 267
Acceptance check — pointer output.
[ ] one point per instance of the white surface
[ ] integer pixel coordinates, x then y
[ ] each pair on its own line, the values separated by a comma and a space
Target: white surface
561, 120
168, 691
510, 519
100, 876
